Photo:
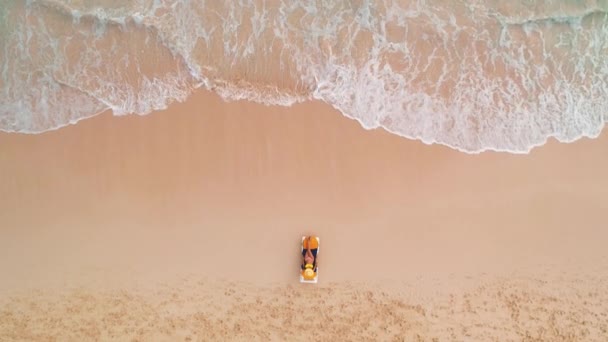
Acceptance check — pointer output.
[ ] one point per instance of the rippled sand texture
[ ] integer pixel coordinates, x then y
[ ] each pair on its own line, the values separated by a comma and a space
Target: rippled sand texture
475, 76
539, 308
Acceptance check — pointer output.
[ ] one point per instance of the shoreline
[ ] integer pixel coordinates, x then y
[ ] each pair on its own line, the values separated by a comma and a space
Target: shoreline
551, 139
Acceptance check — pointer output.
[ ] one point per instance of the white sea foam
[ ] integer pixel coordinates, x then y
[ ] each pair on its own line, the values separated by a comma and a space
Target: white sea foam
489, 75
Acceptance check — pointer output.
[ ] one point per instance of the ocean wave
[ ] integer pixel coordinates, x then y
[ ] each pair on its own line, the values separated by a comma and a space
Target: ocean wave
477, 76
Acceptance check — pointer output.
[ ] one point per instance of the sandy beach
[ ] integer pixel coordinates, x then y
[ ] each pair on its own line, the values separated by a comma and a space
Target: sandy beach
185, 225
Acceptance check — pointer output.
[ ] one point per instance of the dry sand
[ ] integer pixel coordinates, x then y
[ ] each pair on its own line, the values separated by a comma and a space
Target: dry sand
185, 225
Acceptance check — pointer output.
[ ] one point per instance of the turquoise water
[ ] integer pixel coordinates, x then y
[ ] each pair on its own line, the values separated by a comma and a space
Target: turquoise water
472, 75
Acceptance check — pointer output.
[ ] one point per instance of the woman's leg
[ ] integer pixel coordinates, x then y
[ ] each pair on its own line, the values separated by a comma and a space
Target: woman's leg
309, 254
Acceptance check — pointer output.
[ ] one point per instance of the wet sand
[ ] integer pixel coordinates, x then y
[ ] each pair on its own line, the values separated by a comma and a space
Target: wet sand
185, 224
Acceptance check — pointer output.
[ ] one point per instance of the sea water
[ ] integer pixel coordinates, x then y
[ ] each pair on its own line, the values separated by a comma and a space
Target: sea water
472, 75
